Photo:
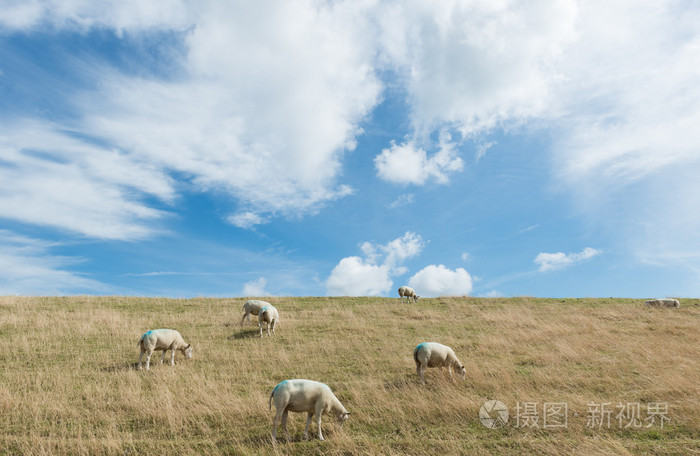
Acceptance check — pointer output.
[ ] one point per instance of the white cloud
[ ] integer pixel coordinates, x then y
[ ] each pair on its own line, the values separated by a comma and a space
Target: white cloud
126, 15
246, 220
273, 96
371, 276
465, 256
256, 288
48, 177
408, 164
437, 280
474, 65
353, 276
559, 260
267, 98
629, 143
403, 200
27, 267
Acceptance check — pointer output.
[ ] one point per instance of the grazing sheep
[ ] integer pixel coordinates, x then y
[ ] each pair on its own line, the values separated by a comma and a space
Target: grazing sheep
432, 354
163, 339
304, 396
663, 303
408, 293
270, 317
252, 307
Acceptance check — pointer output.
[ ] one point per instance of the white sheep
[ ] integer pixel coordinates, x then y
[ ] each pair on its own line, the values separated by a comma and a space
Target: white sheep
408, 293
270, 317
663, 303
308, 396
252, 307
432, 354
163, 339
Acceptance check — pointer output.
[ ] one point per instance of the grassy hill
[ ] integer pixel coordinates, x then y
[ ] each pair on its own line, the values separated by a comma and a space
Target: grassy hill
68, 383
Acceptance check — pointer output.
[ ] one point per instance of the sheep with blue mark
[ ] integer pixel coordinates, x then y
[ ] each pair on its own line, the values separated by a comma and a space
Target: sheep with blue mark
433, 354
308, 396
164, 340
270, 317
252, 307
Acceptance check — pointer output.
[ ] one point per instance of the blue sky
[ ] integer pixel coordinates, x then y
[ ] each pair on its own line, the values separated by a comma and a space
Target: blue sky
311, 148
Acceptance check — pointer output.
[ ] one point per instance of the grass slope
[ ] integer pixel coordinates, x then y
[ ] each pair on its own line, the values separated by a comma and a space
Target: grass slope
68, 383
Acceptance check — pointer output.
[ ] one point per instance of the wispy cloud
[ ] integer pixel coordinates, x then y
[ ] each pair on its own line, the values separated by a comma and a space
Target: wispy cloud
27, 267
256, 288
403, 200
559, 260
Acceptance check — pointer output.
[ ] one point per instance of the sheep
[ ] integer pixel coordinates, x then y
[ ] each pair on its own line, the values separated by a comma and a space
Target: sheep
432, 354
663, 303
252, 307
270, 317
163, 339
305, 396
408, 293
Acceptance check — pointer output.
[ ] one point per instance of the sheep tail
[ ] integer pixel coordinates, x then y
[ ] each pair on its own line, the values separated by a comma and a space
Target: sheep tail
271, 395
415, 354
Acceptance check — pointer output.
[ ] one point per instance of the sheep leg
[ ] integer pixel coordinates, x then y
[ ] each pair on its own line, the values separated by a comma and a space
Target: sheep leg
421, 373
148, 360
308, 423
243, 319
284, 424
274, 323
141, 356
260, 326
172, 356
278, 416
163, 356
319, 411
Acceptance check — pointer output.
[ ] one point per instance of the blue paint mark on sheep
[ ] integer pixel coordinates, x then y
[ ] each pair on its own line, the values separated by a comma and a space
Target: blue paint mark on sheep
278, 385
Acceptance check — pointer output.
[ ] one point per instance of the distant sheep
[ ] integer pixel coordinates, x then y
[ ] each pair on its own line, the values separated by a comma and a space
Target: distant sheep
663, 303
432, 354
252, 307
163, 339
408, 293
308, 396
270, 317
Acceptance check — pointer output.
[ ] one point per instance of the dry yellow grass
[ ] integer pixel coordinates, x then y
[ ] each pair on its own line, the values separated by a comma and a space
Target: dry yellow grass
68, 383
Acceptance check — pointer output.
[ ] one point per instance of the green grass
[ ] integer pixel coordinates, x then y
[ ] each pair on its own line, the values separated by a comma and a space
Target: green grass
69, 384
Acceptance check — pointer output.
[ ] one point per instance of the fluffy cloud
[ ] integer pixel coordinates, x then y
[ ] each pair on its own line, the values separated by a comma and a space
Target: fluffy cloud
353, 276
474, 65
264, 100
407, 164
371, 276
559, 260
28, 267
256, 287
437, 280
